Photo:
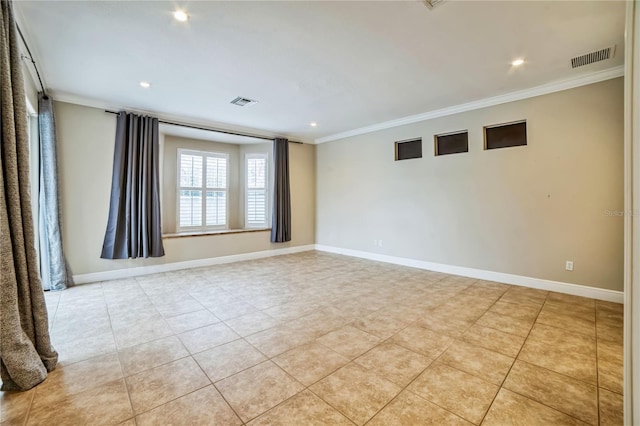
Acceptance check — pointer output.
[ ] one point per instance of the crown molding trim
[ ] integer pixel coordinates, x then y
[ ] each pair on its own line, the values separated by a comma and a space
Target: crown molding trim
545, 89
61, 96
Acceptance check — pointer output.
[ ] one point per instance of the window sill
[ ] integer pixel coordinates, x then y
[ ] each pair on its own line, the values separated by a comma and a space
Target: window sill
216, 232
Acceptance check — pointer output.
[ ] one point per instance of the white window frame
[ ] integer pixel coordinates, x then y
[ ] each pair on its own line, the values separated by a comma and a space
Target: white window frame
34, 170
267, 187
203, 189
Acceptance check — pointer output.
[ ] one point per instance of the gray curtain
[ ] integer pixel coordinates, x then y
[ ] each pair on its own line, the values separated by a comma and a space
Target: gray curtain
25, 347
134, 227
281, 220
53, 266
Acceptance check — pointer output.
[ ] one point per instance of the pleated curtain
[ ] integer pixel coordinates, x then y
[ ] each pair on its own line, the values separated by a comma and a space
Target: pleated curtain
281, 217
134, 226
54, 270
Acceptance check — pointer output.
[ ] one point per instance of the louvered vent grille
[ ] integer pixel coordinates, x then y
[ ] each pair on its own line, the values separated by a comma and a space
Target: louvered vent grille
240, 101
432, 3
593, 57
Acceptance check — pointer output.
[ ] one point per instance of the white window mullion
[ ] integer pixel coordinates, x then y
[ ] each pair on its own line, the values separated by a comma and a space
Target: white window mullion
204, 191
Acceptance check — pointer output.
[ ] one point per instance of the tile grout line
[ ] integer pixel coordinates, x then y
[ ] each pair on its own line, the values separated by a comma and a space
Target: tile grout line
455, 339
216, 388
409, 324
55, 311
169, 401
543, 404
285, 400
330, 404
28, 413
545, 368
333, 371
406, 387
516, 358
126, 386
350, 296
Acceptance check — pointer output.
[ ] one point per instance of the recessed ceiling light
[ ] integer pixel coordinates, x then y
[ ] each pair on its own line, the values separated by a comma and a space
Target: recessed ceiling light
313, 124
145, 84
180, 15
517, 62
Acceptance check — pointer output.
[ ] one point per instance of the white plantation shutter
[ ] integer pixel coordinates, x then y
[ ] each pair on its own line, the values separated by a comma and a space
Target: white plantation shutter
217, 172
191, 170
190, 213
216, 208
190, 208
216, 214
202, 190
256, 199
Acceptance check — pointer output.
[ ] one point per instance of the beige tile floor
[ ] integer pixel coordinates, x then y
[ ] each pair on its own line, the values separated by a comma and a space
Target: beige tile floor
315, 338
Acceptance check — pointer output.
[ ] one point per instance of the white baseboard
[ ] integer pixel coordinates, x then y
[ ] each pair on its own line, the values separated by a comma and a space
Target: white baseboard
175, 266
557, 286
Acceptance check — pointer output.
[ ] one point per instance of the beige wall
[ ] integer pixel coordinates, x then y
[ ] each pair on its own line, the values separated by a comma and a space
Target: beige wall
85, 154
522, 211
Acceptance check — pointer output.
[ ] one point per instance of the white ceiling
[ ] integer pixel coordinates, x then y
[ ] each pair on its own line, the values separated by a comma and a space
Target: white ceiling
341, 64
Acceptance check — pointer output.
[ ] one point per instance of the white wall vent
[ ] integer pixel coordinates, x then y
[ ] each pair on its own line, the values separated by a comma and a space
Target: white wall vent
592, 57
240, 101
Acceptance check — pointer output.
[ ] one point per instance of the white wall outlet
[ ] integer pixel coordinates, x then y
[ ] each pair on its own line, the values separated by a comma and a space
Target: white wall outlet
375, 243
569, 265
380, 243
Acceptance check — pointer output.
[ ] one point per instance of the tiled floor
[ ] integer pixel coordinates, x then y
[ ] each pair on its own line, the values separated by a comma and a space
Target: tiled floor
314, 338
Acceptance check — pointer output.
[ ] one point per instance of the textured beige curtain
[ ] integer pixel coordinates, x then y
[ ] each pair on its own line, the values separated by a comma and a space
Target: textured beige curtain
25, 347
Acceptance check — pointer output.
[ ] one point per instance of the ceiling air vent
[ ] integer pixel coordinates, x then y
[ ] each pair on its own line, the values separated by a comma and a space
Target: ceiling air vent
240, 101
590, 58
432, 3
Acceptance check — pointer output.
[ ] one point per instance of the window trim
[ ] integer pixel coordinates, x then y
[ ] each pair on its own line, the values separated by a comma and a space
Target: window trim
267, 190
203, 189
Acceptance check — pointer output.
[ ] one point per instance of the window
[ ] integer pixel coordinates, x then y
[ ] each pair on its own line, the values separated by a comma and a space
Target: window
256, 201
505, 135
452, 143
406, 150
202, 190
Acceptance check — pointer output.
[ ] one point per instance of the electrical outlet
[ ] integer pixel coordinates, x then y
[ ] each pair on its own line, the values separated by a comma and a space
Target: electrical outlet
569, 265
380, 243
375, 243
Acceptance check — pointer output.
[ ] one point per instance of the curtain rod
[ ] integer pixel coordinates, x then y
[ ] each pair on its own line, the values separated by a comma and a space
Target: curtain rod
30, 57
208, 129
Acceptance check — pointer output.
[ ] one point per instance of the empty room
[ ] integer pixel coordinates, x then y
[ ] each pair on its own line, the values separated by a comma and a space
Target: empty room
408, 212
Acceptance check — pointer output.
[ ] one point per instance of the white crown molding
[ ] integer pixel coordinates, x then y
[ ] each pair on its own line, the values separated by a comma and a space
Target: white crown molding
519, 280
545, 89
71, 98
176, 266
